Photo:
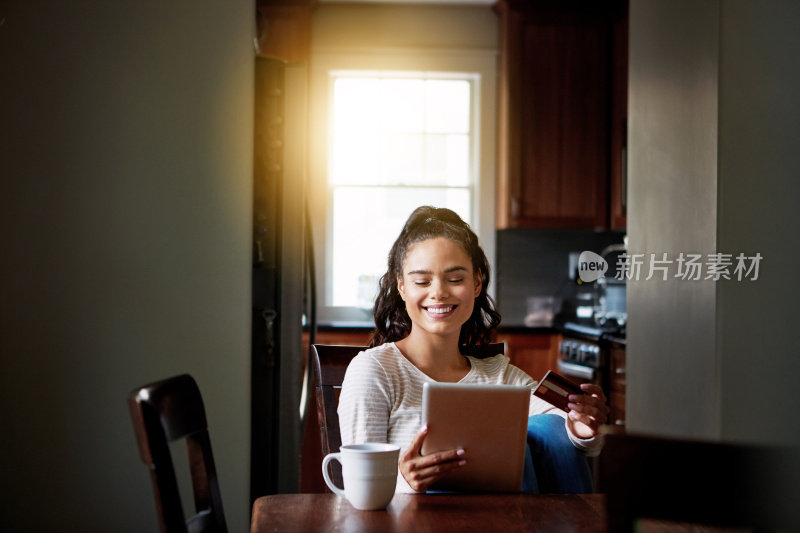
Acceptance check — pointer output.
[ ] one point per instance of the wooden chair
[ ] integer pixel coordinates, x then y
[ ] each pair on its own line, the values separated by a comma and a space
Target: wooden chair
683, 482
164, 412
330, 363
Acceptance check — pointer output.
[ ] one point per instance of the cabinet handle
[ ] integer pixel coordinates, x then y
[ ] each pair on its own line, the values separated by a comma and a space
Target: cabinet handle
619, 422
620, 371
623, 190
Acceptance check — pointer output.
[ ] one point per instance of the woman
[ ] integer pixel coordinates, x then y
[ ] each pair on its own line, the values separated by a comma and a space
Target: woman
433, 307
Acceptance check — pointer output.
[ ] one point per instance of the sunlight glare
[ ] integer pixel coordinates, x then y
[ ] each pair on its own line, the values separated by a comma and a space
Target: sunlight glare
397, 143
366, 215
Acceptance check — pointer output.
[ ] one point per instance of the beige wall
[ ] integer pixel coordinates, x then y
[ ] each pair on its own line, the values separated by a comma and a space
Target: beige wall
714, 166
674, 376
407, 26
759, 190
126, 164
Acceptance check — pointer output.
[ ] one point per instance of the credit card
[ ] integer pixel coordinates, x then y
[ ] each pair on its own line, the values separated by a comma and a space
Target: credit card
555, 389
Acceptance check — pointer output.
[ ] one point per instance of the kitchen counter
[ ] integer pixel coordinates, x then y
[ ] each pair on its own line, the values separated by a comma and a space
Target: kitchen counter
591, 333
346, 325
369, 326
517, 328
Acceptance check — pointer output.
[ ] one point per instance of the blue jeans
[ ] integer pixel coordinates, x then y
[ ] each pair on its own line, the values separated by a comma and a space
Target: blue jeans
552, 463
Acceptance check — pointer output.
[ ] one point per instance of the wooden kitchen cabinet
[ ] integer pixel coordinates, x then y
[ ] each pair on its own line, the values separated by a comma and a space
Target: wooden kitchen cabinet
534, 353
283, 29
616, 397
562, 108
618, 202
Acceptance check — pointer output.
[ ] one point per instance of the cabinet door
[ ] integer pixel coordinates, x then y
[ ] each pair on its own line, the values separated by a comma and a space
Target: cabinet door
555, 113
284, 29
533, 353
619, 122
616, 398
616, 404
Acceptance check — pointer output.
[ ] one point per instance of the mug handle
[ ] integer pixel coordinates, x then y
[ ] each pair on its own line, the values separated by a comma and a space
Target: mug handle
328, 458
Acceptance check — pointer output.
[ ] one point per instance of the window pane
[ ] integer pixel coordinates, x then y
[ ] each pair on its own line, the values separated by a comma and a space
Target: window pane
356, 104
447, 160
378, 132
403, 158
402, 104
366, 221
447, 106
356, 158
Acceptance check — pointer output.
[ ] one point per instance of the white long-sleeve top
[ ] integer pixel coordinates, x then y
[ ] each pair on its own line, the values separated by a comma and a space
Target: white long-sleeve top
381, 399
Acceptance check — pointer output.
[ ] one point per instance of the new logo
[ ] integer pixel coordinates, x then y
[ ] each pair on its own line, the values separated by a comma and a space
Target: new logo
591, 266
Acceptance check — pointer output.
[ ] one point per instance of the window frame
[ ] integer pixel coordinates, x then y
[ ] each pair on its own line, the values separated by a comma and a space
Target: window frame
480, 66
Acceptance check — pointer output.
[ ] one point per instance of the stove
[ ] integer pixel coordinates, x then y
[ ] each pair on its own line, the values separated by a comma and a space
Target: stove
592, 331
583, 351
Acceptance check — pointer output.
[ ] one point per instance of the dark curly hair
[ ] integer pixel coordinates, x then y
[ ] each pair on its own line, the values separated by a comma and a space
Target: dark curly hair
392, 322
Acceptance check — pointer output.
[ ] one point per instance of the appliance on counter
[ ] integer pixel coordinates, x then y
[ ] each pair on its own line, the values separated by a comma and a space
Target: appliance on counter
541, 311
609, 294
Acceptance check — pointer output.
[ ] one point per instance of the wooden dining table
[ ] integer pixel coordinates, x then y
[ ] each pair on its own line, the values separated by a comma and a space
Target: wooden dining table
507, 513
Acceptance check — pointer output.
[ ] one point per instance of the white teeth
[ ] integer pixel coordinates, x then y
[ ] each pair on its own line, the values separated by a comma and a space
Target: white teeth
440, 309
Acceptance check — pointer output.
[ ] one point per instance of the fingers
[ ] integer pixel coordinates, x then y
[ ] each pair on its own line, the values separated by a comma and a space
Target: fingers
591, 388
415, 448
422, 471
422, 475
592, 417
589, 409
592, 399
440, 458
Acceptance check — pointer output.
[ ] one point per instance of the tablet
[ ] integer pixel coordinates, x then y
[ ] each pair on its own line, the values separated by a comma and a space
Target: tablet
489, 422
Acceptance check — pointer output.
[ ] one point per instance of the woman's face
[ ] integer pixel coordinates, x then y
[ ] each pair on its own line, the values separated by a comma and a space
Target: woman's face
438, 286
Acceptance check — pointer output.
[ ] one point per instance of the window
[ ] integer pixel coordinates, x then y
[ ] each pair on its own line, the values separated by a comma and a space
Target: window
397, 141
386, 141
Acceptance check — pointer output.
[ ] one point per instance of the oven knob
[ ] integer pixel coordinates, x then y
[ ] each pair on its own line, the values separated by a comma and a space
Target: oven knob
567, 350
587, 354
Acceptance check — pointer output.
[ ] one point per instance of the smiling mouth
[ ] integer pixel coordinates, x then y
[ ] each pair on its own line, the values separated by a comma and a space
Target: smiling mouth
440, 310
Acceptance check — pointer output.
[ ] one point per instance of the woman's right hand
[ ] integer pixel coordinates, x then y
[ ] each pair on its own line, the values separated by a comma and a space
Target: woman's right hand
421, 471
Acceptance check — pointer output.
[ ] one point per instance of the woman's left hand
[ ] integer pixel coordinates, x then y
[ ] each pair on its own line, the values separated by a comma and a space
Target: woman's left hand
588, 411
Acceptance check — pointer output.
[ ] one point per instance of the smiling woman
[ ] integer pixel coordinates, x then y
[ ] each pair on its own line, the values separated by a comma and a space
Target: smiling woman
436, 263
438, 286
433, 308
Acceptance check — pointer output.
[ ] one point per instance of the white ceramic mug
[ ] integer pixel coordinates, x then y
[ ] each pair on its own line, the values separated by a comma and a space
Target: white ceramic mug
369, 472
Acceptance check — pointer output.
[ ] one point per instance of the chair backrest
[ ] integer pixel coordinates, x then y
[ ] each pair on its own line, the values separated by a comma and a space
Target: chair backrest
164, 412
330, 363
691, 482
